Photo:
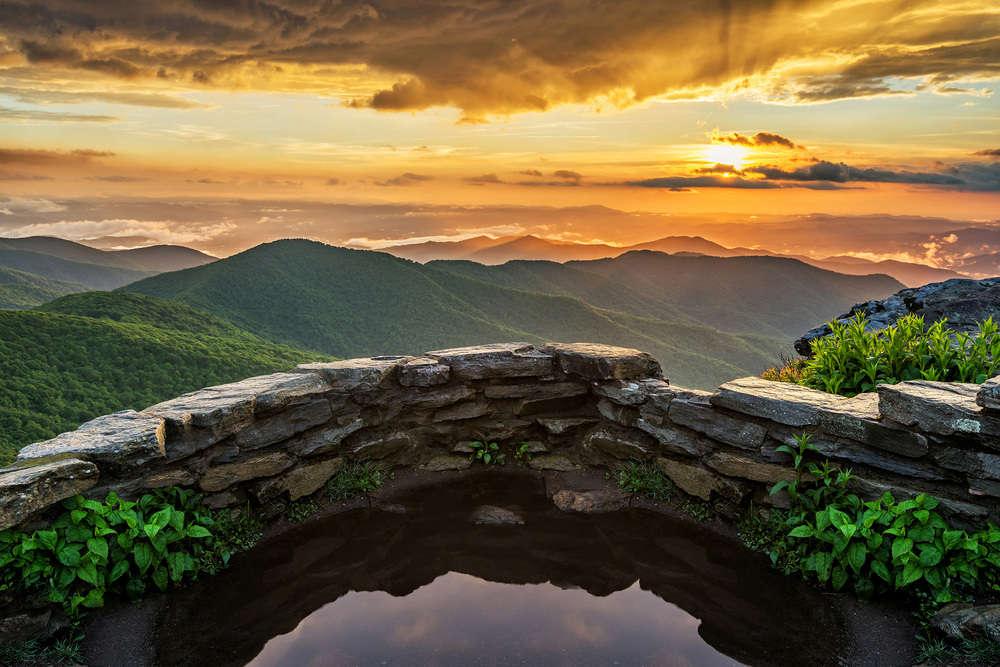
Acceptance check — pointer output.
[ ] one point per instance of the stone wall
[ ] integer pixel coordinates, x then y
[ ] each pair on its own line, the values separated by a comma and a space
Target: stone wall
286, 434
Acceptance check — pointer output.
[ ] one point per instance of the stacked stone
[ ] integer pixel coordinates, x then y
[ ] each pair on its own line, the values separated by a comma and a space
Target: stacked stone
575, 405
290, 432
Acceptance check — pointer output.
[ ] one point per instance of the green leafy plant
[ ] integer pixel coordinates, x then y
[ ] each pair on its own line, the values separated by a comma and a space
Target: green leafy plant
522, 454
297, 510
787, 370
487, 452
644, 478
234, 532
355, 479
852, 360
116, 545
699, 510
880, 545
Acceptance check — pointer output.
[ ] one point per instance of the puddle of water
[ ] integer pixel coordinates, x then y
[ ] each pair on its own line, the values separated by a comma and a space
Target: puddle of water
429, 588
461, 621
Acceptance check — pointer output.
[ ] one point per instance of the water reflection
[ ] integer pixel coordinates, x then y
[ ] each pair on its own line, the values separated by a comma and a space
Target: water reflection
625, 587
460, 620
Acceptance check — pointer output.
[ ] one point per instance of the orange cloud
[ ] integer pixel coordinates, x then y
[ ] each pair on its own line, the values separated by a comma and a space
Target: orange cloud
488, 59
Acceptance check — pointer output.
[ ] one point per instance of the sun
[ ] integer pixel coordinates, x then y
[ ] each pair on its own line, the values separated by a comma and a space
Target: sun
727, 154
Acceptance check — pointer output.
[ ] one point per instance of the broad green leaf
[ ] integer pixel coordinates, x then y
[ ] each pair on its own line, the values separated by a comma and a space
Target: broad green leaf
151, 529
900, 546
159, 542
200, 531
120, 568
930, 556
88, 573
911, 573
98, 546
78, 515
801, 531
921, 534
94, 599
160, 578
47, 539
856, 555
177, 520
143, 553
879, 568
824, 561
922, 515
839, 578
93, 506
175, 561
69, 555
125, 541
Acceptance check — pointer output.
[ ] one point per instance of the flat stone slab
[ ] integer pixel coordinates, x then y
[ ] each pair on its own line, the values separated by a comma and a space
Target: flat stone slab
605, 362
123, 439
423, 372
198, 420
692, 480
220, 477
783, 402
590, 502
378, 448
277, 391
735, 466
553, 462
537, 390
283, 425
357, 374
620, 414
325, 441
623, 392
941, 408
436, 398
858, 419
493, 361
673, 440
703, 418
468, 410
619, 446
444, 462
26, 490
565, 425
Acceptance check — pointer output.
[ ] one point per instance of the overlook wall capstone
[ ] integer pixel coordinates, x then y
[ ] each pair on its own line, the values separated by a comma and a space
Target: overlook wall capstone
287, 434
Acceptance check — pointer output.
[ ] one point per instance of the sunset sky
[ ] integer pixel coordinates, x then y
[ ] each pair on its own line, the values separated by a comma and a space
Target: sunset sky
121, 118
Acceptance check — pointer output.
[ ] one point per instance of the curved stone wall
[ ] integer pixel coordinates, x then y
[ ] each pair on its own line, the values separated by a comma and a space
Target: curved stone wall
576, 405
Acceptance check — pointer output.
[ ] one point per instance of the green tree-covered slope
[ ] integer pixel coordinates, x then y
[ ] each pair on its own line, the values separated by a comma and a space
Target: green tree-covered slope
57, 371
93, 276
20, 290
360, 303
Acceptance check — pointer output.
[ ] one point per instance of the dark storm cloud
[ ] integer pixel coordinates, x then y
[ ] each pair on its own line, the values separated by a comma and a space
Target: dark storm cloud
989, 152
964, 176
676, 183
487, 57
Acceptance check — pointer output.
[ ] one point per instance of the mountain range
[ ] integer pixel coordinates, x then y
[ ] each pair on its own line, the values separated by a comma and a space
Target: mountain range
38, 269
486, 250
352, 303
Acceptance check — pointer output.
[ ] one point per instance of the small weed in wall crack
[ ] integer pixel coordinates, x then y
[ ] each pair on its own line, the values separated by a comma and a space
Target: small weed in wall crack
297, 510
355, 479
643, 478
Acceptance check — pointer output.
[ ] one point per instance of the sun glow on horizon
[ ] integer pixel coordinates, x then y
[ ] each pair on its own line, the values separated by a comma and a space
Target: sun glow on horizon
727, 154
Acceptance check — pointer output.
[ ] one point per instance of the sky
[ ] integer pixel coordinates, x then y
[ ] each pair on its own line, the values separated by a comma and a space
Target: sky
117, 119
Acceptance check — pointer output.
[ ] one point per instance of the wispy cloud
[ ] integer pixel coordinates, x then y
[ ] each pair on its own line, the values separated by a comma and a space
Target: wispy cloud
404, 180
32, 116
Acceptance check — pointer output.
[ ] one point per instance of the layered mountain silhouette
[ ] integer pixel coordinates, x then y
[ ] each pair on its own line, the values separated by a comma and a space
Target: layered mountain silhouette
485, 250
48, 267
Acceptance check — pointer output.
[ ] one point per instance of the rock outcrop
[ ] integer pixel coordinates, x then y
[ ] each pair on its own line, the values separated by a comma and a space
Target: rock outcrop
964, 303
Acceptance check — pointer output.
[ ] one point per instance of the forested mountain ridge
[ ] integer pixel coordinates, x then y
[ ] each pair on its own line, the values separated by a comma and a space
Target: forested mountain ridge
354, 303
60, 370
20, 290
